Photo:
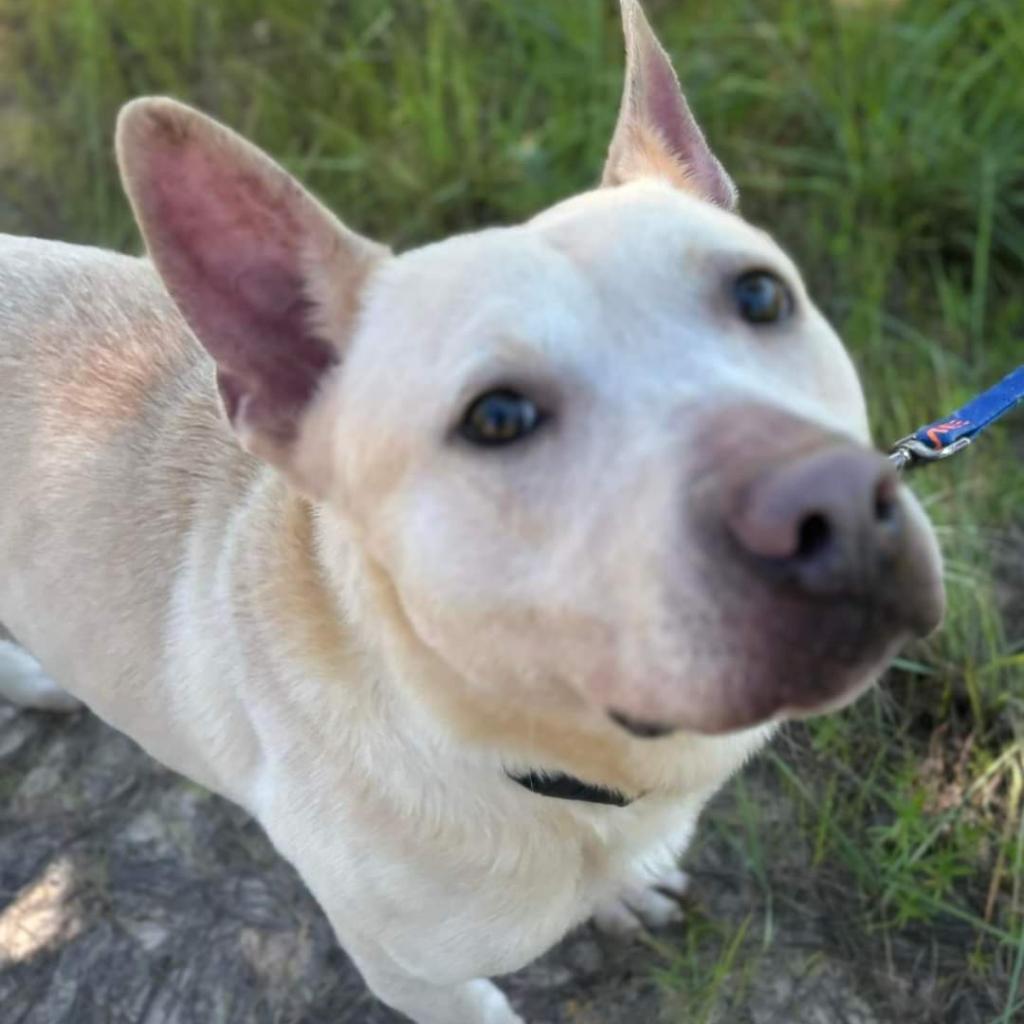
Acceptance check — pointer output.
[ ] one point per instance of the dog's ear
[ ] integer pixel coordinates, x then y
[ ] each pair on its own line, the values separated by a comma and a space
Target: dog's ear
657, 135
268, 280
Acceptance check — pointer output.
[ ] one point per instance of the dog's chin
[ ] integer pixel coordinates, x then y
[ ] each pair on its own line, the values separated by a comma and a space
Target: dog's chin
719, 723
756, 691
799, 710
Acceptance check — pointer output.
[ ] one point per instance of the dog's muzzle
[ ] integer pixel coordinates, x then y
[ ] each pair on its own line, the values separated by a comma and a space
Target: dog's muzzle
816, 570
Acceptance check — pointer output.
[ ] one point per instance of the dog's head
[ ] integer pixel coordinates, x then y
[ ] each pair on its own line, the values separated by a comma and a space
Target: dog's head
611, 462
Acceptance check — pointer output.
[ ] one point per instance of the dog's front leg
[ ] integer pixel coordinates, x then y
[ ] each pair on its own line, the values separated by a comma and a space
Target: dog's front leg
472, 1002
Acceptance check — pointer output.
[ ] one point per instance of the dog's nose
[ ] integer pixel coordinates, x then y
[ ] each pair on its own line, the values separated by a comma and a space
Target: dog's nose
827, 522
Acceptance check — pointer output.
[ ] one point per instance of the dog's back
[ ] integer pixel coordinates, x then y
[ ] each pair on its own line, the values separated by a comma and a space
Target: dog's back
108, 415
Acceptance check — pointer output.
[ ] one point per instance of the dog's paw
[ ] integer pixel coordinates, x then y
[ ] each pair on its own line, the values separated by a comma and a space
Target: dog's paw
653, 905
491, 1005
23, 682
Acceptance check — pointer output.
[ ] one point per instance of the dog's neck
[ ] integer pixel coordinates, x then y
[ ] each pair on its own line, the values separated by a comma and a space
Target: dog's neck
524, 738
339, 606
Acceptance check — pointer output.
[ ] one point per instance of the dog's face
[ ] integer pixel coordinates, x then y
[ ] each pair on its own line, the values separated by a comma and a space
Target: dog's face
611, 462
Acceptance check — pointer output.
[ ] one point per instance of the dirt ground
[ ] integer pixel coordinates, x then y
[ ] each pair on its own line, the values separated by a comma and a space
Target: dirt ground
130, 895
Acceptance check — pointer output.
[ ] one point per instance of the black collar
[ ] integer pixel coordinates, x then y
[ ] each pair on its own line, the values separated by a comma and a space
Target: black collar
567, 787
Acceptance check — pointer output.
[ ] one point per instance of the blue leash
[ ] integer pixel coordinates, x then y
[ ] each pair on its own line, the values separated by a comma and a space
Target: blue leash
953, 433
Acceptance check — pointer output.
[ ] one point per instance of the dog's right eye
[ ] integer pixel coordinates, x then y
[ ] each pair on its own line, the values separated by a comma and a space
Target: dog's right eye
762, 297
499, 418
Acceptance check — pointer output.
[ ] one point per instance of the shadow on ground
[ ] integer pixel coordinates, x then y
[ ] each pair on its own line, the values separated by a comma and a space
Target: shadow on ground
130, 895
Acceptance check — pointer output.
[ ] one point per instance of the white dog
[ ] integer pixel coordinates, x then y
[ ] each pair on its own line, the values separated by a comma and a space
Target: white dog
470, 572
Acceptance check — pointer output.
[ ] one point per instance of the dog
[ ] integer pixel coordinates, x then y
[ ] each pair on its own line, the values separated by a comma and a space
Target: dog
470, 572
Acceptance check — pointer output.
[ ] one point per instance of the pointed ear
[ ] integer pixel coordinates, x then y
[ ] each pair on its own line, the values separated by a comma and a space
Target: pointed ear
268, 280
657, 135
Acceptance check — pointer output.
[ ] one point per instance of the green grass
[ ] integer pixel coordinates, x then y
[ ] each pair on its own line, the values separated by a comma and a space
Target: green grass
882, 143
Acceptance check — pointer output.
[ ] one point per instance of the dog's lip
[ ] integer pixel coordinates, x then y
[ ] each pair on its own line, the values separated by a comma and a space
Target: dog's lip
642, 729
765, 704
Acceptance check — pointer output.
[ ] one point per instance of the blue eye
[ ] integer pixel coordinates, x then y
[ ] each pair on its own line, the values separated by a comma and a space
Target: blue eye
499, 418
762, 298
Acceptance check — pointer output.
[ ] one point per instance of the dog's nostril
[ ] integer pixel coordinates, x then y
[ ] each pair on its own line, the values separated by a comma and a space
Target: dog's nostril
885, 503
814, 536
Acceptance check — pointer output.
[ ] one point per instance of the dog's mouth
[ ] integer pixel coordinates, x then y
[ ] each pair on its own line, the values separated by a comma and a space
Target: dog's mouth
642, 730
801, 663
766, 656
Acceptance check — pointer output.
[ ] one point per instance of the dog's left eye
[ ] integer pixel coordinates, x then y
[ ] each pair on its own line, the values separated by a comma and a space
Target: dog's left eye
498, 418
761, 297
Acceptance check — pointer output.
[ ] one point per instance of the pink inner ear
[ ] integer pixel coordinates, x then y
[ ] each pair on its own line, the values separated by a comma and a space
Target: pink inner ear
667, 109
227, 241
